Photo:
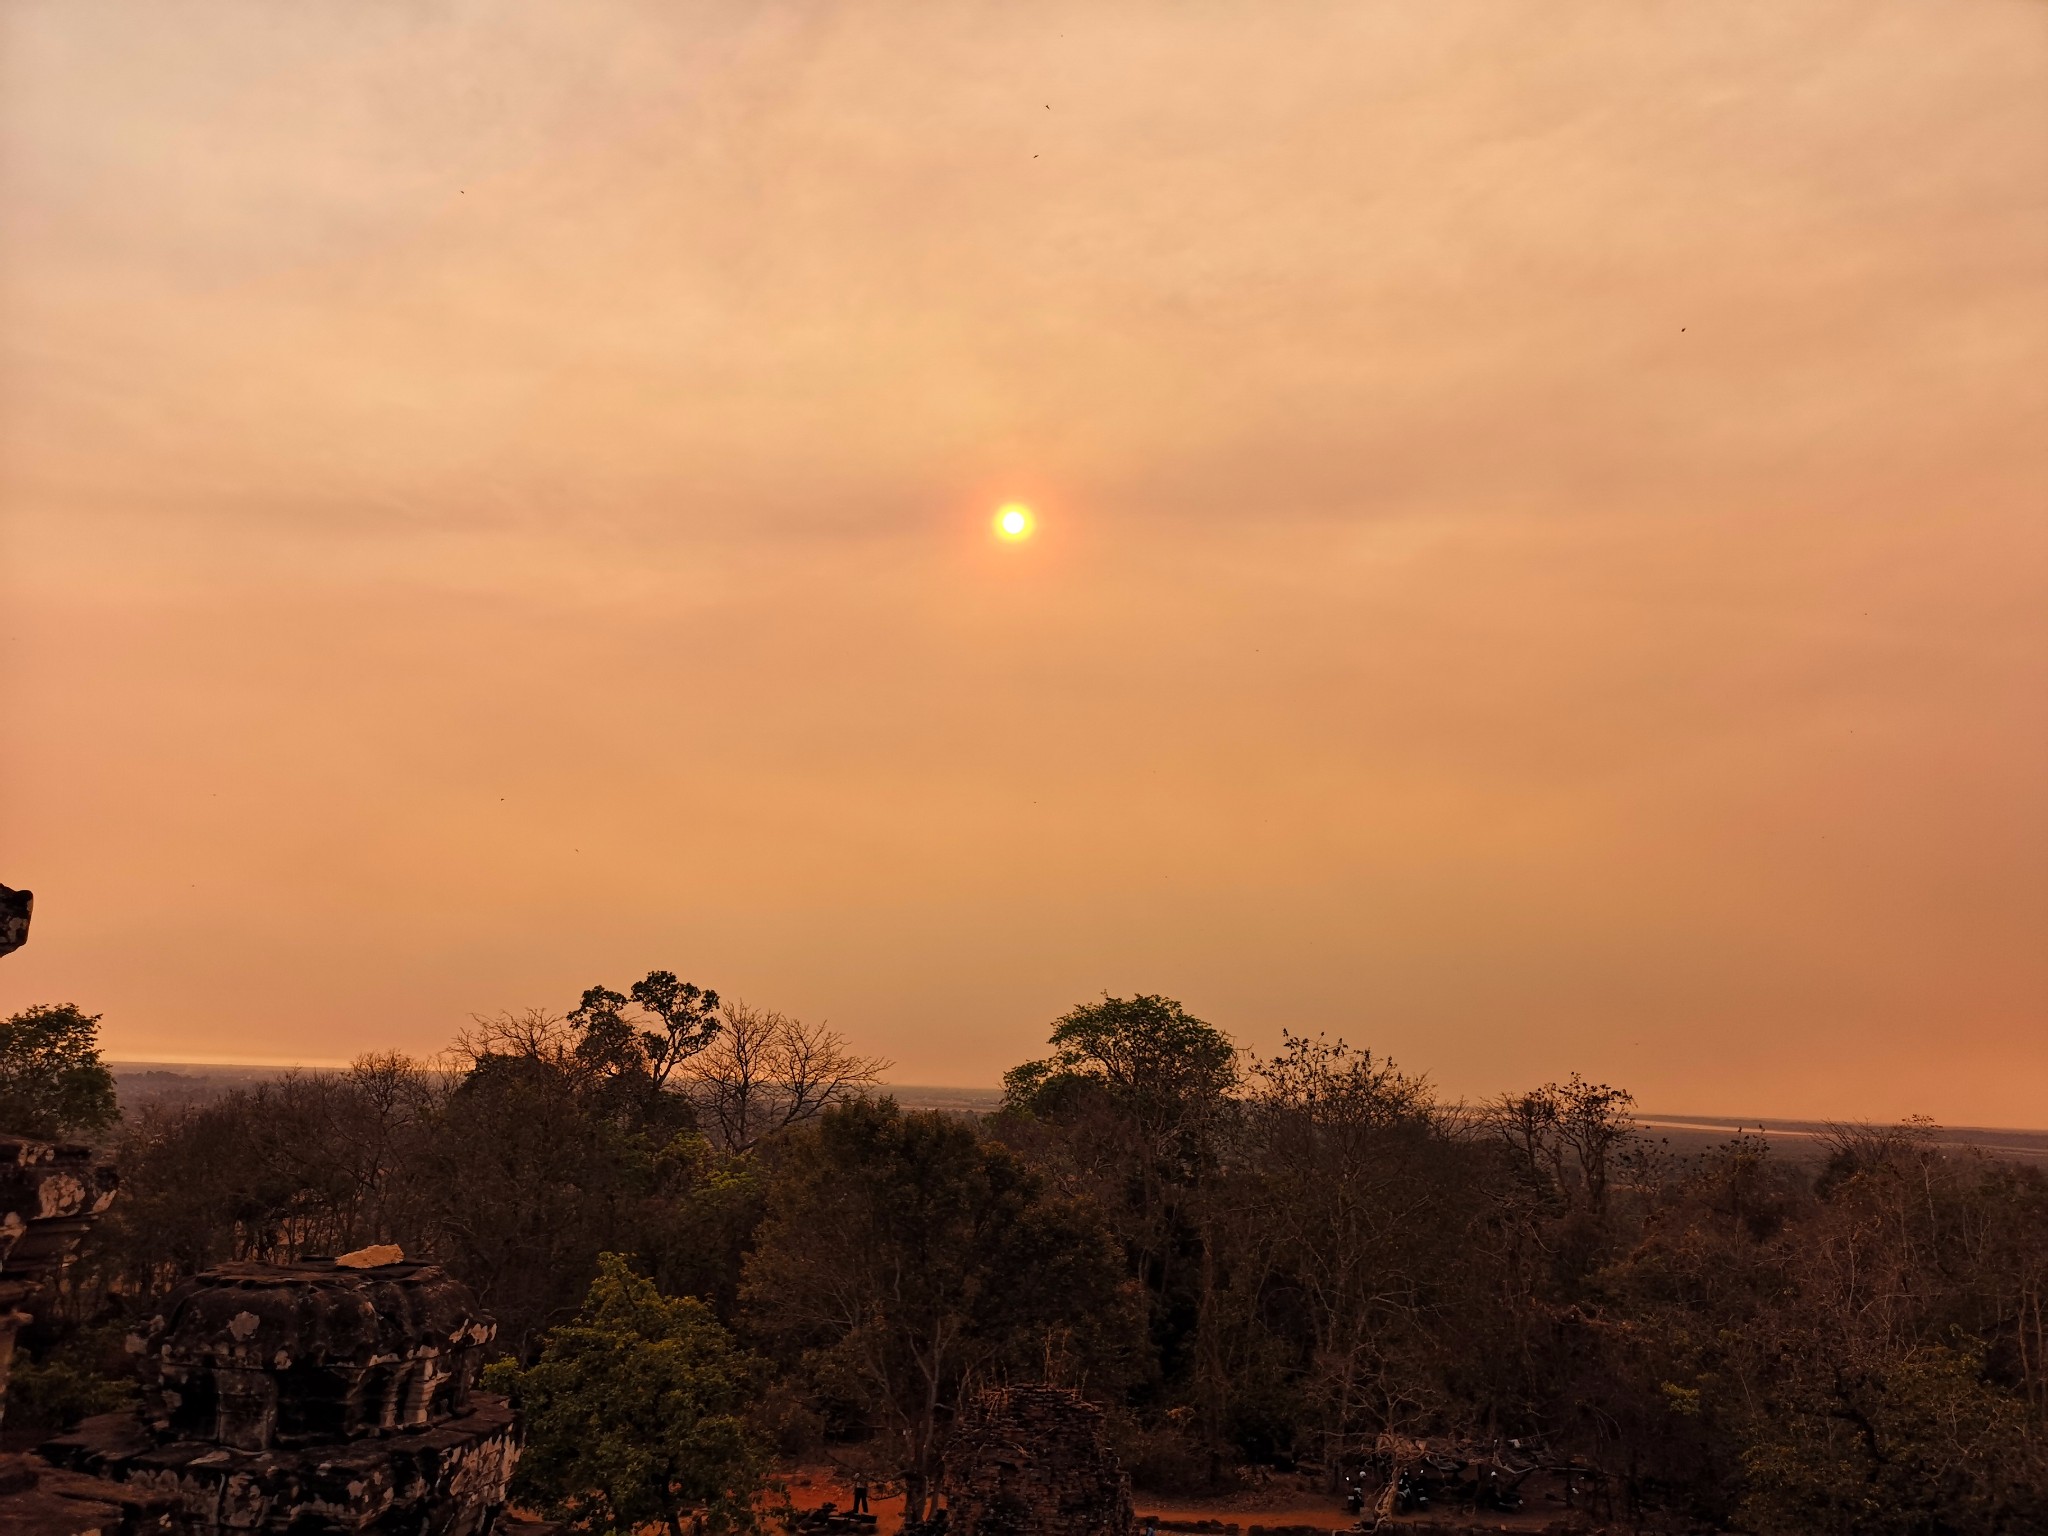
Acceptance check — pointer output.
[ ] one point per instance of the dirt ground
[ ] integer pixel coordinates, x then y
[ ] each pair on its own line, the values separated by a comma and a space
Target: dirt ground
810, 1487
1278, 1507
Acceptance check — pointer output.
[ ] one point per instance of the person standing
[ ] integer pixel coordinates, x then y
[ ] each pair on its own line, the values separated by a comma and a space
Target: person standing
860, 1493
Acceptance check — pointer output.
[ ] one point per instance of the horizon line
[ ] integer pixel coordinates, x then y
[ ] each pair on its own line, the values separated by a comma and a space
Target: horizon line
1653, 1119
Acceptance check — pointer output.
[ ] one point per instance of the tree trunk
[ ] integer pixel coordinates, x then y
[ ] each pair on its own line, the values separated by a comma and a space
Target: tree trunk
913, 1495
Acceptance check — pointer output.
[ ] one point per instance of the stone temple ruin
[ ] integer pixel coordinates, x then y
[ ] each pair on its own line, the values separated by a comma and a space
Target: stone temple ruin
49, 1194
314, 1397
1032, 1461
326, 1398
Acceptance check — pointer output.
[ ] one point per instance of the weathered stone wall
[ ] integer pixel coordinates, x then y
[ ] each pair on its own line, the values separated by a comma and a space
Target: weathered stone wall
447, 1479
311, 1397
39, 1500
1032, 1461
253, 1356
50, 1192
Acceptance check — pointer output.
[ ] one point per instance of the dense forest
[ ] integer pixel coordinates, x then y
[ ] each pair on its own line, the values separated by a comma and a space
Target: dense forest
1250, 1262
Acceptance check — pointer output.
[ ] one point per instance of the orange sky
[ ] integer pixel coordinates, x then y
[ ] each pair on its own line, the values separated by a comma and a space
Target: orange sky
1542, 555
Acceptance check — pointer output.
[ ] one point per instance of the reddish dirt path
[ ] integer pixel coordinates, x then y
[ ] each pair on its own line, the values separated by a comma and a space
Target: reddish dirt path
1276, 1506
811, 1486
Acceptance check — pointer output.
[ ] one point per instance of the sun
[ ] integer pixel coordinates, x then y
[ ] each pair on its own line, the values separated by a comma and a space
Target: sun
1014, 522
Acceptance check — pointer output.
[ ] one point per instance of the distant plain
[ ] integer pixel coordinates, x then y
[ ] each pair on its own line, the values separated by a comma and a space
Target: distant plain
143, 1082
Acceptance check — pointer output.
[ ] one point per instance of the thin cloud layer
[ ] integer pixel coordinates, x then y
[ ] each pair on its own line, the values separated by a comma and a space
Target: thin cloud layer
1540, 562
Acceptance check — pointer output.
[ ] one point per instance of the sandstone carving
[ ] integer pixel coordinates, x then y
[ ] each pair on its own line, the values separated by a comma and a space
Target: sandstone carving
312, 1397
49, 1194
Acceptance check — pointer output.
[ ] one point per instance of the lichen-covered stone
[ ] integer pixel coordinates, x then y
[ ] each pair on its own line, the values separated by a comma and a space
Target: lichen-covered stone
446, 1479
311, 1398
50, 1192
252, 1356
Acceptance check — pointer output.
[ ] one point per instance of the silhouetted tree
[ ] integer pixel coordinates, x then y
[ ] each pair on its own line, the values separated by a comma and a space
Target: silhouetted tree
631, 1052
765, 1072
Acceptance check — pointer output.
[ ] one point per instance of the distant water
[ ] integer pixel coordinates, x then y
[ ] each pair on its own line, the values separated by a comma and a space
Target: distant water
980, 1101
1809, 1138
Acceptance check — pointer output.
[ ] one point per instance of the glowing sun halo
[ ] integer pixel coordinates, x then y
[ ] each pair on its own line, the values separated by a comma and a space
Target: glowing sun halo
1014, 522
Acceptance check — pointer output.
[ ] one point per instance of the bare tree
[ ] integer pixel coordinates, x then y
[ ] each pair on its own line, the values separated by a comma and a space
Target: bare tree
1566, 1136
534, 1034
766, 1071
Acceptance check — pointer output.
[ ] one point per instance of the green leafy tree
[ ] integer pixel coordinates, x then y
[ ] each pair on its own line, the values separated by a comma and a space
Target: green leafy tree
637, 1412
1137, 1091
52, 1081
1148, 1054
1920, 1445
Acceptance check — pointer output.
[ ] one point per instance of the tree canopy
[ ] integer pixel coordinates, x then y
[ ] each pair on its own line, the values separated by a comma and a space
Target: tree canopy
1147, 1053
636, 1412
52, 1081
905, 1257
1246, 1261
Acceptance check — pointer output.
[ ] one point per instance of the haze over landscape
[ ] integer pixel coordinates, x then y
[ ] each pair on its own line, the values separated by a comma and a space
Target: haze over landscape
1539, 557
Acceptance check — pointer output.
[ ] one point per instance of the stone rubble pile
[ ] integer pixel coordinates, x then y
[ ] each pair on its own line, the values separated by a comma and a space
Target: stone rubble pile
1033, 1461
